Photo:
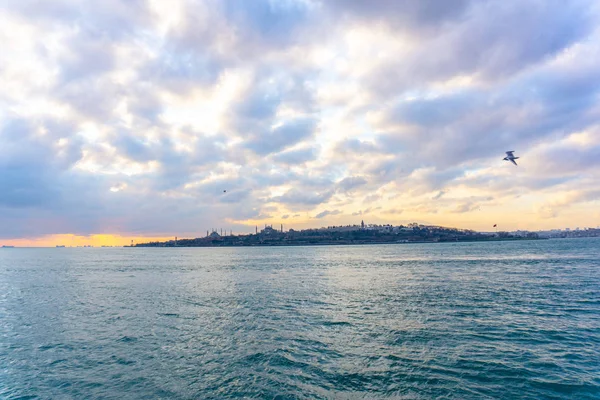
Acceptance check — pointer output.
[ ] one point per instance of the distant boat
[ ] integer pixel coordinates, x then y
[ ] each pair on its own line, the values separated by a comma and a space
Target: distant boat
8, 247
61, 245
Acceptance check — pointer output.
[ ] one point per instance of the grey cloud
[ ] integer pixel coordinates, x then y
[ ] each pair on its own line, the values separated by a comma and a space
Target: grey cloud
175, 167
254, 113
181, 70
259, 104
351, 182
366, 211
395, 211
303, 197
266, 22
387, 170
563, 160
31, 171
427, 180
414, 14
89, 55
371, 198
235, 196
40, 185
265, 176
326, 213
355, 147
296, 156
465, 207
111, 18
433, 112
135, 148
91, 98
289, 134
481, 44
439, 195
537, 104
554, 208
514, 185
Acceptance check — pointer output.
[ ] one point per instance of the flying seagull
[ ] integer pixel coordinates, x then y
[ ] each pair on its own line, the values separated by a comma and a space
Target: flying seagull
510, 157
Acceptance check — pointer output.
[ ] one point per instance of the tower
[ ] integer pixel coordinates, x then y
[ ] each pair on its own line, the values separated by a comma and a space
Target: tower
362, 224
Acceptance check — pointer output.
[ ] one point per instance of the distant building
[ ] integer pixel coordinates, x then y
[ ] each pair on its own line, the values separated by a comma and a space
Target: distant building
268, 230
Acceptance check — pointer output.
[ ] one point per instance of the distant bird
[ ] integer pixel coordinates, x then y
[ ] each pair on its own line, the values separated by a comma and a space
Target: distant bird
510, 157
224, 191
495, 225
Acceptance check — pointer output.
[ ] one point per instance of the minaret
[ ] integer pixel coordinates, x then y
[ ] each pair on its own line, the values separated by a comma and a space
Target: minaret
256, 230
281, 228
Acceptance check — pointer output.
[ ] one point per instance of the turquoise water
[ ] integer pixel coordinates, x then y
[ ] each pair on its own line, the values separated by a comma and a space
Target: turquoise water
501, 320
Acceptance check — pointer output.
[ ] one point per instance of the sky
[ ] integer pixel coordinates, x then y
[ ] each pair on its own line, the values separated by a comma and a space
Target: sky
137, 120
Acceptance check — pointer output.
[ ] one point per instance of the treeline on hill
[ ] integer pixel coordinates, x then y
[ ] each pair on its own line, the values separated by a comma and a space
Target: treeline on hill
332, 235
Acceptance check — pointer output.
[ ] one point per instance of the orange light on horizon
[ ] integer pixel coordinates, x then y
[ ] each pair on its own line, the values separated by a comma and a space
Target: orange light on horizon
72, 240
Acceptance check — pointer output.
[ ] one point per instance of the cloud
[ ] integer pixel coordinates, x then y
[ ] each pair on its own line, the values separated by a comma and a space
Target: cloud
481, 45
303, 198
326, 213
351, 182
465, 207
394, 211
272, 24
366, 211
282, 137
566, 158
296, 156
413, 13
371, 198
134, 117
355, 147
567, 200
439, 195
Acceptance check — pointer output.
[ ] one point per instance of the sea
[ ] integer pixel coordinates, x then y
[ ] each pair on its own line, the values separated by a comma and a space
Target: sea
494, 320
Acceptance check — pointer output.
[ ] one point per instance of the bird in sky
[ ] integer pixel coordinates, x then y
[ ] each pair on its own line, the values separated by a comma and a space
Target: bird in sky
510, 157
224, 191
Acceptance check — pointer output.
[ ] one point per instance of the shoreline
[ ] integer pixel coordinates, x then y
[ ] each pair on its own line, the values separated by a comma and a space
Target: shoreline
340, 244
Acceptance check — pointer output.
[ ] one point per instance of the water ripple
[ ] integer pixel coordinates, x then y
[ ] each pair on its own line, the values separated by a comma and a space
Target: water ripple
498, 320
